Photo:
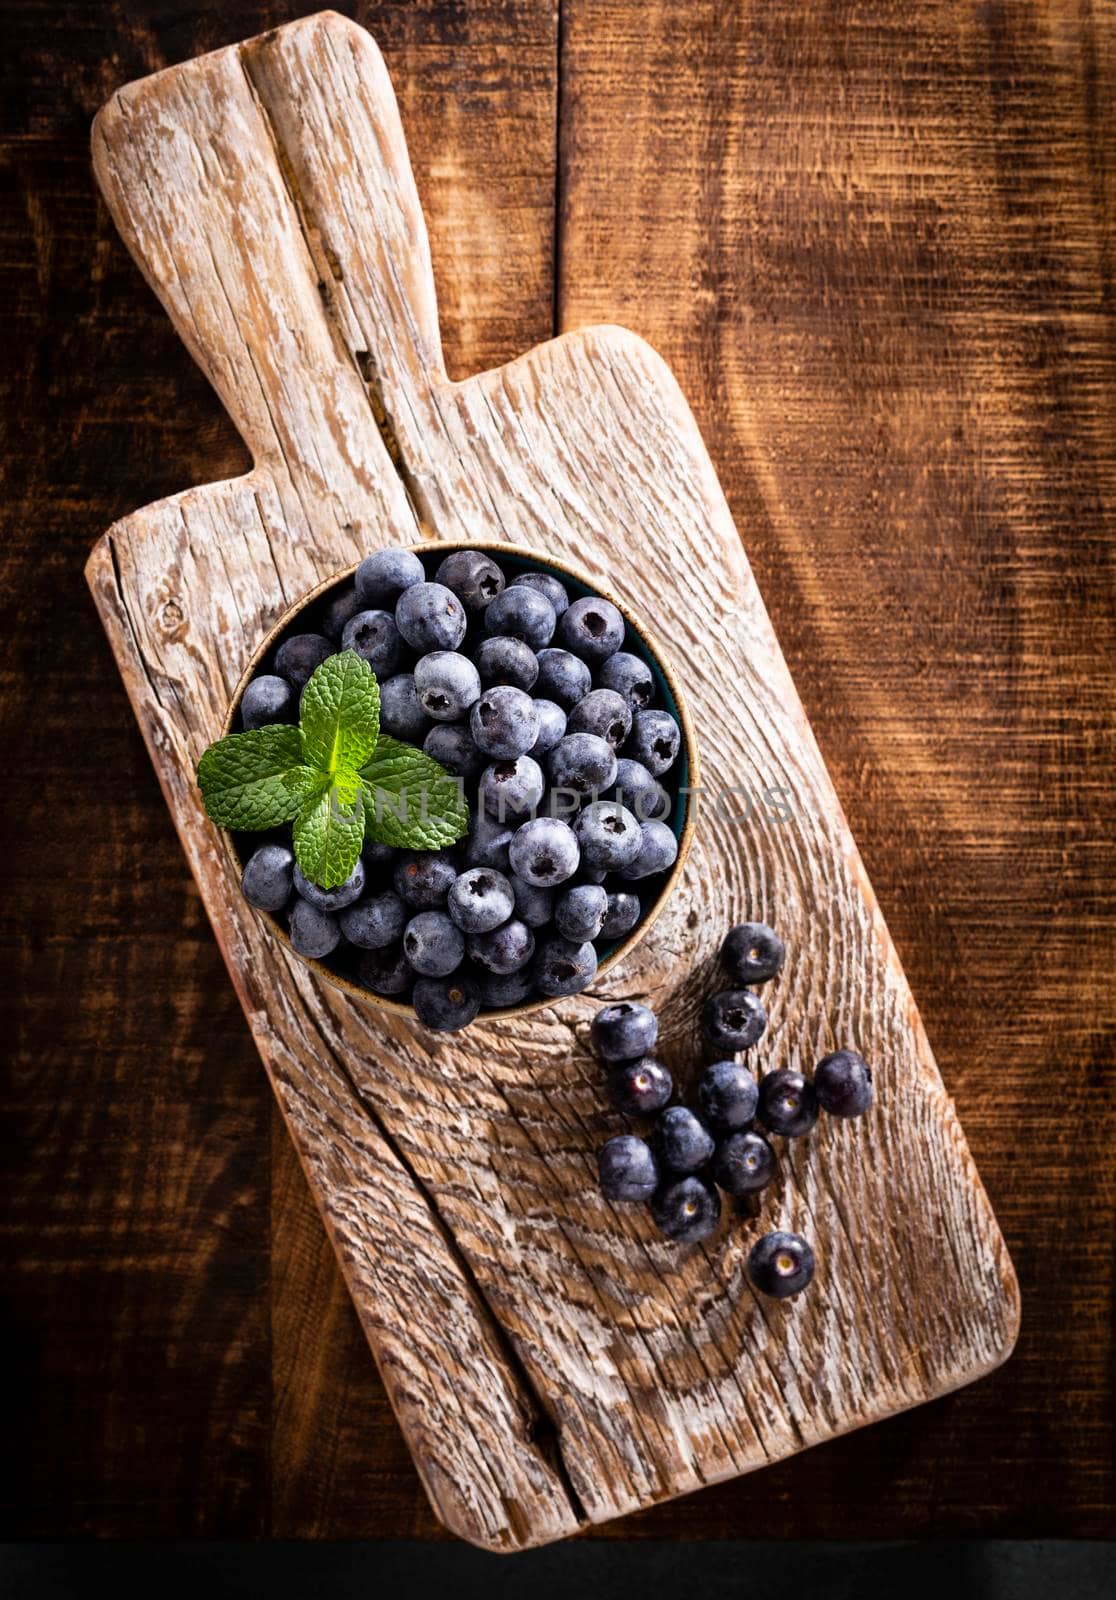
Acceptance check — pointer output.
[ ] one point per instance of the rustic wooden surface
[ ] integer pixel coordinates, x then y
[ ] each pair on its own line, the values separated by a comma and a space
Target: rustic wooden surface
162, 1180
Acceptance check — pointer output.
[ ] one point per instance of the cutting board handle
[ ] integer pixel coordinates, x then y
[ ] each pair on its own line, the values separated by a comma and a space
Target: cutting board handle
251, 229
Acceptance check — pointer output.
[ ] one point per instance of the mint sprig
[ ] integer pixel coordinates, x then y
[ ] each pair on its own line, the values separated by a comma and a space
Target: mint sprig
335, 777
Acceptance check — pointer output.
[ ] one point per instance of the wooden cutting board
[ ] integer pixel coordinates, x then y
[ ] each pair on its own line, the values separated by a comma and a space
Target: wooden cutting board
552, 1361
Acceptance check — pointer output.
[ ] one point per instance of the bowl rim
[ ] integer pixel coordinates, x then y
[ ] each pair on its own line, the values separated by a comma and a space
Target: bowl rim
540, 558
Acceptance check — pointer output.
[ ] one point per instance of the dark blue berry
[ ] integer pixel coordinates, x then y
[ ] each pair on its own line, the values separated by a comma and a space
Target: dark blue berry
727, 1095
480, 899
533, 905
423, 877
547, 586
268, 698
581, 911
314, 933
640, 1088
627, 1168
643, 795
473, 577
505, 949
582, 763
624, 1030
787, 1103
504, 660
504, 722
563, 967
488, 842
511, 790
843, 1084
338, 612
268, 877
563, 678
430, 617
592, 629
623, 914
654, 741
501, 989
684, 1143
381, 578
687, 1210
331, 900
752, 952
781, 1265
451, 744
733, 1020
376, 856
401, 715
544, 852
657, 852
521, 613
604, 713
386, 972
433, 944
375, 638
552, 727
630, 677
447, 684
298, 657
744, 1163
609, 836
446, 1004
374, 922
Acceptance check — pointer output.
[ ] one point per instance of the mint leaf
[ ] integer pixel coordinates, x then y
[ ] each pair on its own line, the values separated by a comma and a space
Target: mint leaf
328, 834
255, 779
411, 801
340, 715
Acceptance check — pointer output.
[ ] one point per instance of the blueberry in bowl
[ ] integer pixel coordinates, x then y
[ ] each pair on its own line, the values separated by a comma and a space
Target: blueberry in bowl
456, 781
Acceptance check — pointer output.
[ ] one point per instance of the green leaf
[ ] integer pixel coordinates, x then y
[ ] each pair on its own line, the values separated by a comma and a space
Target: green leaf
255, 779
328, 834
411, 802
340, 715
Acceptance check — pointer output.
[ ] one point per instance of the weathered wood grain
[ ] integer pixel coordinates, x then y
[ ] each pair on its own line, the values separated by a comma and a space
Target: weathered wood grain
270, 202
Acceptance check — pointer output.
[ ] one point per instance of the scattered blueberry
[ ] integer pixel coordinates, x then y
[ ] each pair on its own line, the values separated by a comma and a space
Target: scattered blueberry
480, 899
684, 1142
733, 1020
447, 684
582, 763
374, 636
472, 576
624, 1030
504, 722
446, 1004
522, 613
504, 660
658, 850
627, 1168
592, 629
728, 1095
562, 678
268, 877
268, 698
687, 1210
423, 877
375, 921
654, 741
547, 586
433, 944
430, 617
563, 967
843, 1084
331, 900
297, 657
787, 1103
505, 949
511, 790
752, 952
623, 914
630, 677
781, 1264
640, 1088
744, 1163
381, 578
401, 714
544, 852
314, 933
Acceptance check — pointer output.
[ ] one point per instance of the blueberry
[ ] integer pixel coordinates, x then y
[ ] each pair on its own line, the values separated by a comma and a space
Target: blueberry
624, 1030
682, 1140
451, 744
268, 877
488, 843
423, 877
505, 949
592, 629
386, 972
595, 875
375, 921
547, 586
430, 617
511, 790
781, 1264
639, 1088
314, 932
267, 699
686, 1211
631, 678
504, 660
544, 852
609, 836
582, 763
533, 905
401, 714
552, 727
843, 1084
501, 989
381, 578
627, 1168
643, 795
654, 741
752, 952
658, 851
522, 614
447, 684
604, 713
623, 914
727, 1095
446, 1004
744, 1163
298, 657
733, 1020
504, 722
787, 1103
474, 578
581, 911
562, 678
563, 968
374, 637
331, 900
376, 856
480, 899
338, 612
433, 944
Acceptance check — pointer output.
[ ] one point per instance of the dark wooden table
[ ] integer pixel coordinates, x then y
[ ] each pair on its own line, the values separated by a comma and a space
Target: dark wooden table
876, 244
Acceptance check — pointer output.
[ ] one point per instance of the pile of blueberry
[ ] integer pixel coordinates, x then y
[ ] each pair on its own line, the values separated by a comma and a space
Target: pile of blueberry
539, 697
691, 1154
